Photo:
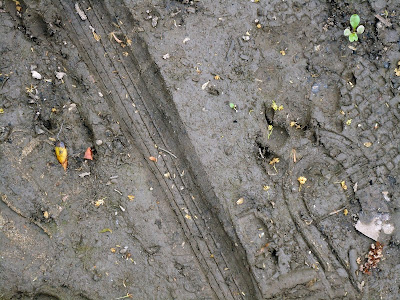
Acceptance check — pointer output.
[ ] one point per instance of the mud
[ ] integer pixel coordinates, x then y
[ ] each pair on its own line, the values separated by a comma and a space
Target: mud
221, 213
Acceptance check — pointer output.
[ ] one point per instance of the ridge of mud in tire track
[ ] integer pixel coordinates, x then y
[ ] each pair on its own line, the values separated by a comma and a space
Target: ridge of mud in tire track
142, 129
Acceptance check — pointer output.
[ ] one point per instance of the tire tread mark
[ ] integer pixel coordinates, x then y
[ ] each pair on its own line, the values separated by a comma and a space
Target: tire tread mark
191, 228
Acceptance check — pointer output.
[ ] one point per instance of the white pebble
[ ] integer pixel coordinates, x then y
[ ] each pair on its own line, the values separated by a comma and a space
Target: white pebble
36, 75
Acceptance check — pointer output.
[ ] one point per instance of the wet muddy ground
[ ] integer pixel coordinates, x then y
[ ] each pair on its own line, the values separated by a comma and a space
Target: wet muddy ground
241, 150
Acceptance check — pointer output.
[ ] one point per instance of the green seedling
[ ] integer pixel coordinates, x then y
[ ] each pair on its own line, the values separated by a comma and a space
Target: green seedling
352, 34
233, 106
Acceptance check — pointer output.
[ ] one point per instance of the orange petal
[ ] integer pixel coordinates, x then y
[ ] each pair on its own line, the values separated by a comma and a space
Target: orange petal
65, 164
88, 154
152, 158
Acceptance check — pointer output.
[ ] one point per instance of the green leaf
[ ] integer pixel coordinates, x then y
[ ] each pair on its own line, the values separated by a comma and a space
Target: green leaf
347, 32
360, 29
353, 37
232, 105
354, 21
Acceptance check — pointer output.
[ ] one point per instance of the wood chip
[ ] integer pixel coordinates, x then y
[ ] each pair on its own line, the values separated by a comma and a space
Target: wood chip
240, 201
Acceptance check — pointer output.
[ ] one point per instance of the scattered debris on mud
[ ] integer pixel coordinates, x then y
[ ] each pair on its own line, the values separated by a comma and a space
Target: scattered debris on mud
207, 151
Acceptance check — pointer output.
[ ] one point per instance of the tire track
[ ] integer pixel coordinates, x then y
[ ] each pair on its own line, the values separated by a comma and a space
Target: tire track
128, 92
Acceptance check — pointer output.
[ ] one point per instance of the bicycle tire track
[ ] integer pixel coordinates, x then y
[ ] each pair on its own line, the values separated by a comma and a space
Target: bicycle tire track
145, 125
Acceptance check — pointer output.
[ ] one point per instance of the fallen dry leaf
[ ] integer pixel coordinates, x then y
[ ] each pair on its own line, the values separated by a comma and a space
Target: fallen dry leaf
99, 202
274, 161
240, 201
96, 36
367, 144
152, 158
295, 124
343, 184
131, 197
397, 70
302, 180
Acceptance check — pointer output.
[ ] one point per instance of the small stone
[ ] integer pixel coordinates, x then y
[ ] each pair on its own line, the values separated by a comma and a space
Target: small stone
154, 21
60, 75
315, 88
99, 142
36, 75
38, 130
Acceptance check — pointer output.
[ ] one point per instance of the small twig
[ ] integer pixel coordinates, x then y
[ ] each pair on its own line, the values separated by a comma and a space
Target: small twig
294, 155
170, 153
384, 21
336, 211
126, 296
262, 156
118, 192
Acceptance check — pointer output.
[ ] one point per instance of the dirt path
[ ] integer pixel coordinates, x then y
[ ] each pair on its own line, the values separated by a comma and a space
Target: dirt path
186, 197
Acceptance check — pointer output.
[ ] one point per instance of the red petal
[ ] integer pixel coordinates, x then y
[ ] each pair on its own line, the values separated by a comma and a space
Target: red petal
88, 154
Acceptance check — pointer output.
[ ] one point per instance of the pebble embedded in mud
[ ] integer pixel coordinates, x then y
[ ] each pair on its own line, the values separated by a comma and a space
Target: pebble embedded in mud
38, 130
36, 75
60, 75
